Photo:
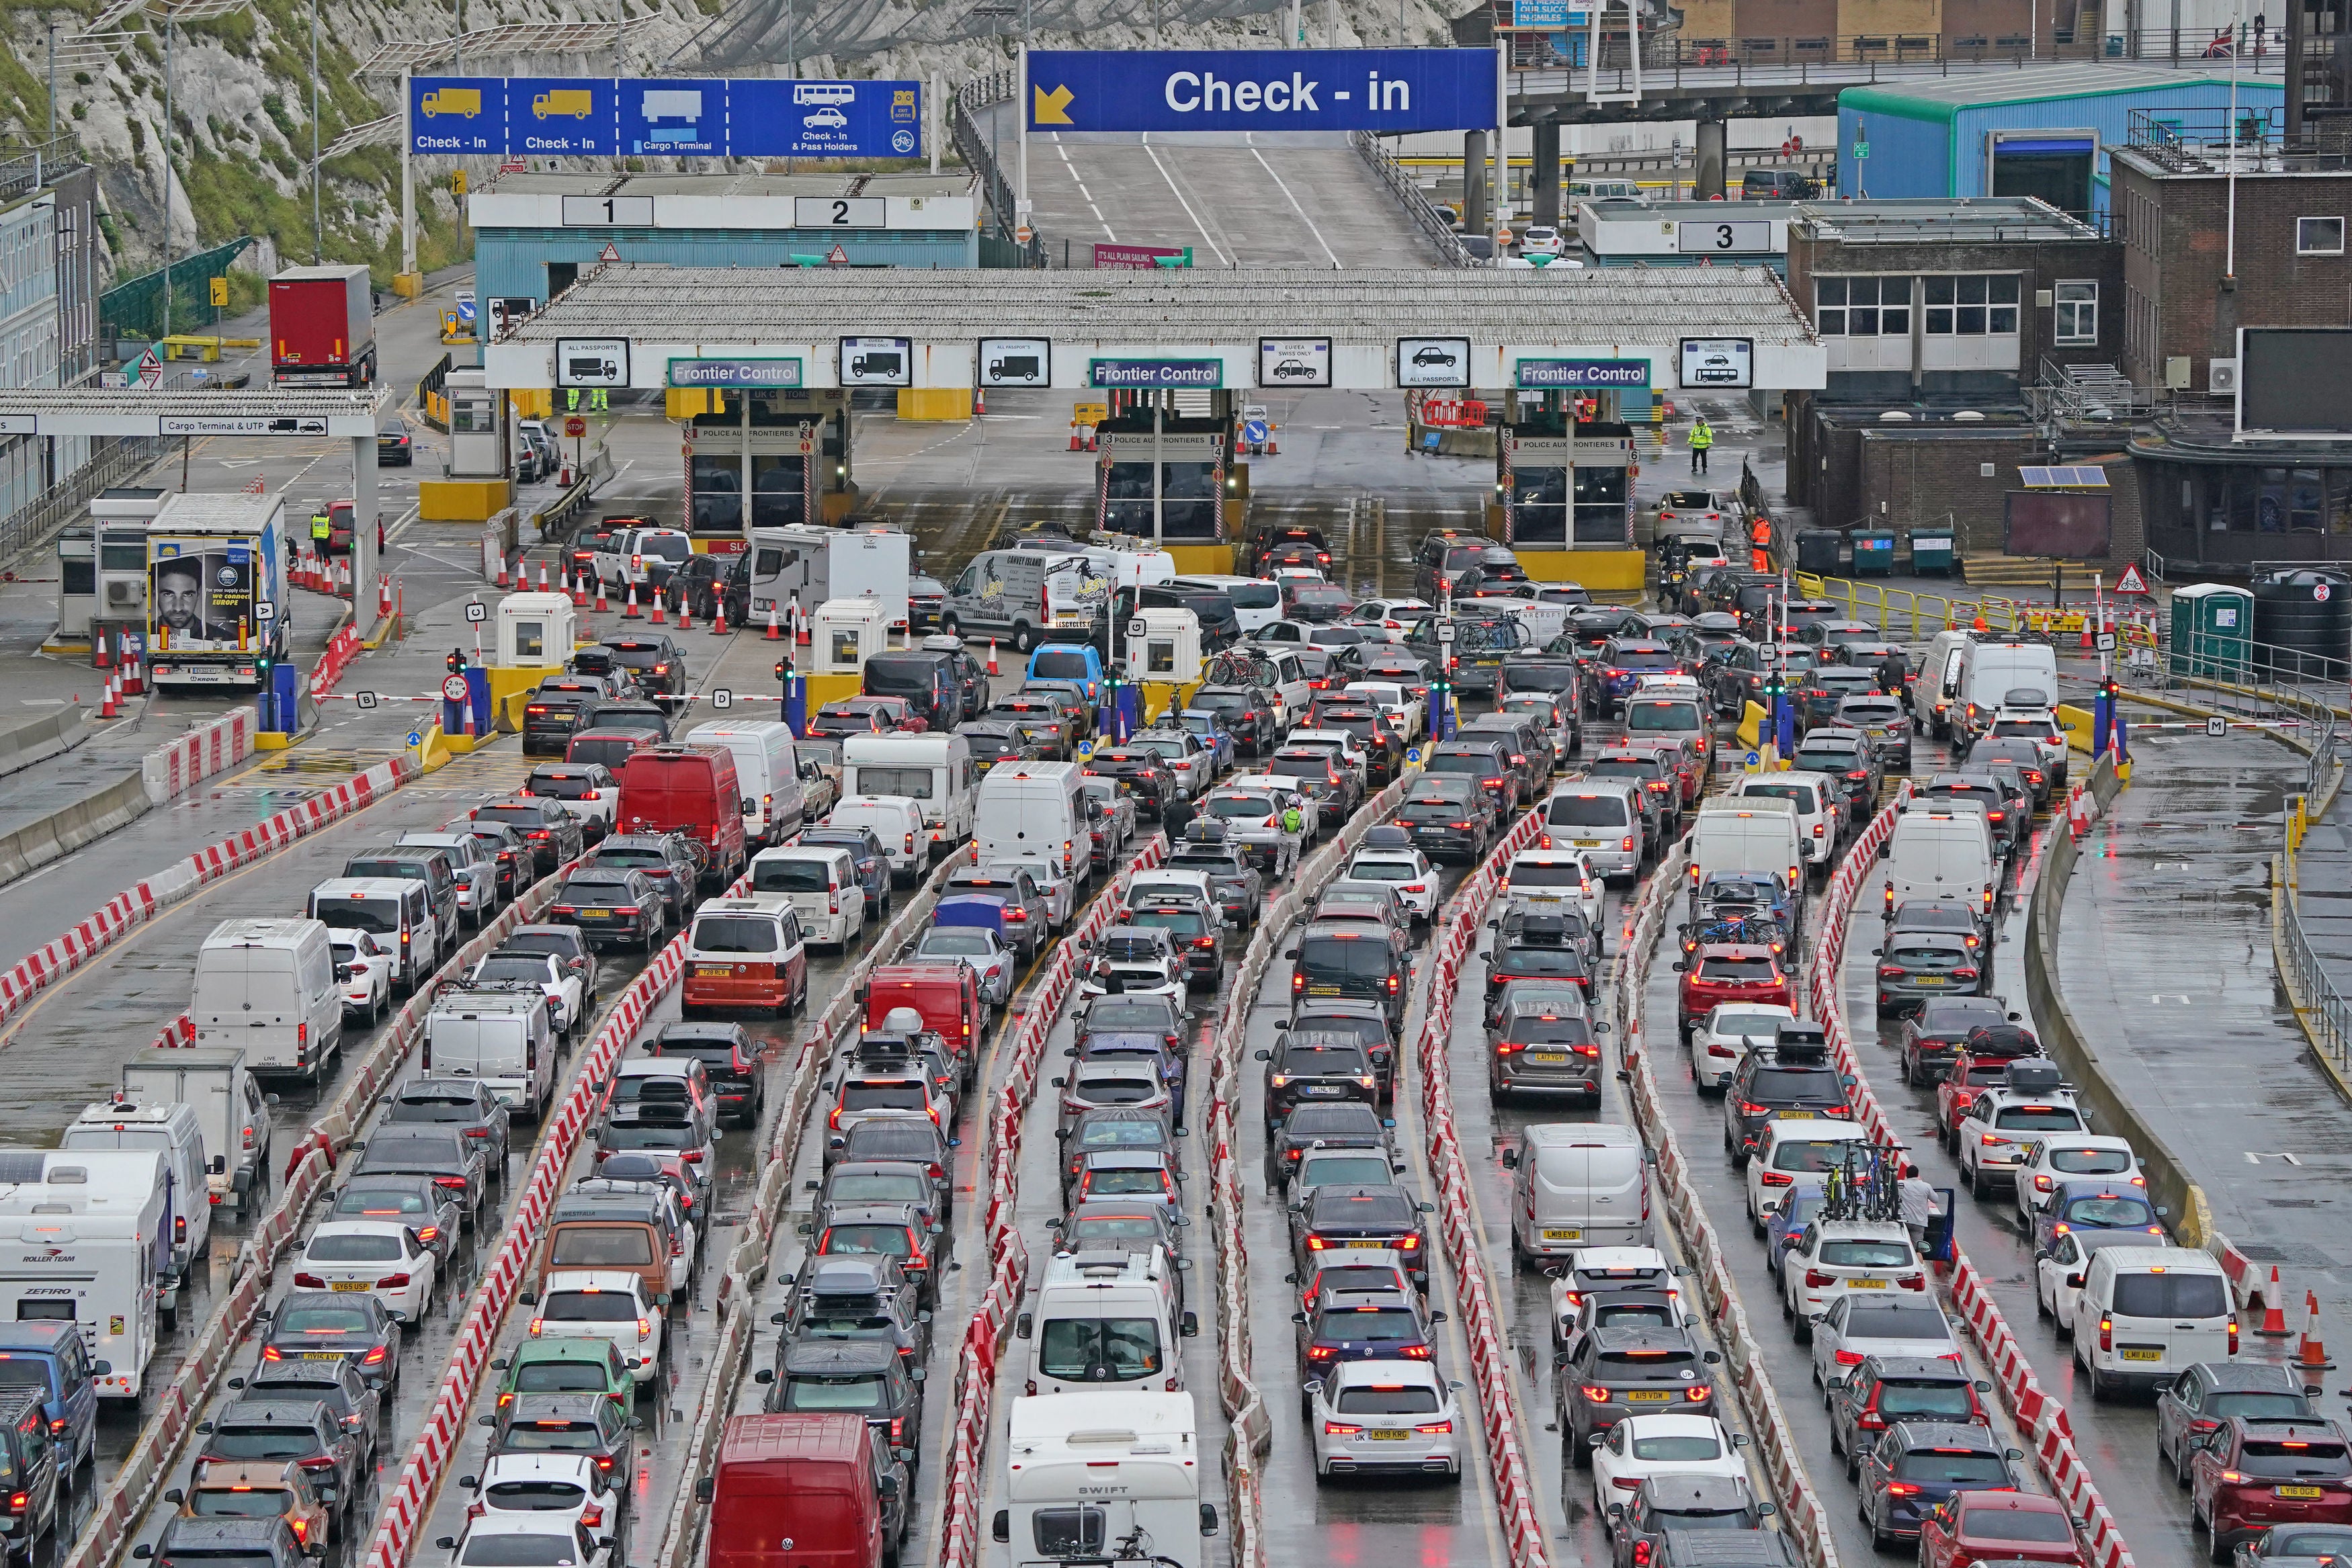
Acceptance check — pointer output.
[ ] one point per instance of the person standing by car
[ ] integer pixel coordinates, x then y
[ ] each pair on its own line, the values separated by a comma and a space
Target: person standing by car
1175, 815
1702, 437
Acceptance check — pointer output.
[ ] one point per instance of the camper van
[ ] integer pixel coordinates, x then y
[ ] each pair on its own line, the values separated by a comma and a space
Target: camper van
267, 988
1087, 1471
1105, 1319
935, 772
232, 1113
83, 1252
114, 1143
767, 774
1033, 808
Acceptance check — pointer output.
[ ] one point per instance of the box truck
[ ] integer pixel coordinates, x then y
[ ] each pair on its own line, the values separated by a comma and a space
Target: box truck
232, 1113
1096, 1474
322, 326
218, 612
812, 565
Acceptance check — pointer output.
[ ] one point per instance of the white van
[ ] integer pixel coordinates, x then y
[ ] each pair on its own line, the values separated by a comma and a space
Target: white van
1820, 808
1034, 807
822, 882
1999, 674
1105, 1320
1943, 681
267, 988
1747, 833
1579, 1184
1096, 1468
935, 772
1599, 819
1943, 852
232, 1113
500, 1037
398, 912
130, 1148
2145, 1313
767, 774
898, 826
1257, 602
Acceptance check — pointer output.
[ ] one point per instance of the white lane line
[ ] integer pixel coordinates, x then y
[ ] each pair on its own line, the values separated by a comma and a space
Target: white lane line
1295, 206
1221, 257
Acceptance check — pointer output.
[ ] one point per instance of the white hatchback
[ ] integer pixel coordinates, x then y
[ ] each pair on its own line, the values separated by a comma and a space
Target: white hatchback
551, 1488
1720, 1041
1407, 872
381, 1257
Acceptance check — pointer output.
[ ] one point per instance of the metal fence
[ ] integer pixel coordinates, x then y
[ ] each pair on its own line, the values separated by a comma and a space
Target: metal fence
26, 168
2326, 1013
971, 145
136, 308
1426, 215
32, 525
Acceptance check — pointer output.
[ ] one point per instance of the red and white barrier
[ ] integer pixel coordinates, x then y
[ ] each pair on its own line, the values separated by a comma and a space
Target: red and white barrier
174, 769
342, 649
2039, 1417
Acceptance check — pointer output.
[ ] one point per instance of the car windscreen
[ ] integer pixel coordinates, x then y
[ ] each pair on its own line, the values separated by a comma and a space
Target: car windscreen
1690, 1449
260, 1442
1111, 1014
243, 1502
790, 875
536, 1497
514, 967
1862, 1252
381, 915
2038, 1119
2000, 1523
1476, 765
2171, 1295
908, 783
2090, 1162
868, 1241
1811, 1155
1393, 1326
563, 787
1794, 1083
562, 1377
1387, 1399
2109, 1211
1586, 811
1111, 1349
1742, 969
587, 1307
1237, 808
1547, 1028
552, 1436
1671, 718
502, 1550
603, 1247
1902, 1399
1321, 1170
1541, 962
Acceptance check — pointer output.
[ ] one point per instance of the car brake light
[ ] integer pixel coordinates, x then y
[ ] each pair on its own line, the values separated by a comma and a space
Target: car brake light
1817, 1280
2233, 1333
392, 1283
2106, 1334
1901, 1489
308, 1282
1776, 1178
374, 1357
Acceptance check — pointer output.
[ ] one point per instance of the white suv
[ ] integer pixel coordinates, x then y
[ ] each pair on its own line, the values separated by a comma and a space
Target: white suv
1838, 1257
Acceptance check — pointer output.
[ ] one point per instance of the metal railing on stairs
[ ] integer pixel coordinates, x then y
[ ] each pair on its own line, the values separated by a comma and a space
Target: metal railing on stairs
1427, 217
972, 145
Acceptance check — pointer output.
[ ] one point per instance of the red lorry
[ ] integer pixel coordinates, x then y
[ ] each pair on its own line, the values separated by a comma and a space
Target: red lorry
322, 326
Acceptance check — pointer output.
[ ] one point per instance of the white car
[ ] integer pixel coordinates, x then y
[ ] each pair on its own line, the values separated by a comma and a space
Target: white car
1286, 792
1719, 1041
549, 1488
1061, 892
1998, 1124
602, 1303
1793, 1154
381, 1257
1303, 574
503, 1540
2049, 1161
1347, 748
563, 986
369, 966
1253, 821
2058, 1275
1144, 961
1408, 873
588, 790
1384, 1416
1405, 716
1639, 1446
975, 945
1840, 1257
476, 873
1394, 616
1540, 240
630, 555
1859, 1325
1555, 876
2039, 725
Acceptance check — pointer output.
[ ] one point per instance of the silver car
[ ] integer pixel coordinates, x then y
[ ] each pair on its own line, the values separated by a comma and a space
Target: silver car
1193, 764
1384, 1416
1253, 819
975, 945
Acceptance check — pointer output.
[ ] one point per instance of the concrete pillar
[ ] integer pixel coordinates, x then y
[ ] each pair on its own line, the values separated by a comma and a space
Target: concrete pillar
1710, 181
1547, 174
1474, 184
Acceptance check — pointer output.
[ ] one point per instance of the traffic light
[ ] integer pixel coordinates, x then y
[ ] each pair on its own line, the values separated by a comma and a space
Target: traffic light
783, 671
456, 661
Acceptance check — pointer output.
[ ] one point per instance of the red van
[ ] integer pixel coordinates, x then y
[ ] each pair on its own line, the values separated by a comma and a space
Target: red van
947, 995
687, 789
831, 1480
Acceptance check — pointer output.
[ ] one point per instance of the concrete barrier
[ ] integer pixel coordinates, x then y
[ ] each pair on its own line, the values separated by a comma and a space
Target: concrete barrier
43, 739
61, 832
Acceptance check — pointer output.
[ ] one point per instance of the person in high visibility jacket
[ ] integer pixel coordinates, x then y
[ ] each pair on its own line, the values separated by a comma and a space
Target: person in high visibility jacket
321, 527
1293, 820
1702, 436
1760, 540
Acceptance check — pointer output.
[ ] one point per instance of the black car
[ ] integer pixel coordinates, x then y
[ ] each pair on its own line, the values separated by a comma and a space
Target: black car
926, 598
348, 1397
303, 1430
509, 850
862, 1376
416, 1200
587, 1423
458, 1163
1375, 1213
1929, 1038
554, 833
1795, 1074
866, 858
1328, 1124
464, 1105
639, 716
1545, 947
1915, 1466
994, 741
1849, 760
1485, 759
1692, 1502
2010, 828
655, 661
1310, 1064
1142, 772
1383, 749
613, 907
1112, 1127
703, 581
394, 448
1449, 816
1322, 778
1238, 886
1619, 1370
1548, 673
668, 861
729, 1060
1248, 712
554, 711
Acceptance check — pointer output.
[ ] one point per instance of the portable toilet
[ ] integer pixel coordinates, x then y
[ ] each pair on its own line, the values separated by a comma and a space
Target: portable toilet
848, 632
2212, 631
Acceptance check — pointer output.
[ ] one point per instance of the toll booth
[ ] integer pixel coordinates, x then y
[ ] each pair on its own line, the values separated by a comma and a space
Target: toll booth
1564, 482
77, 582
1163, 657
1162, 475
480, 481
531, 635
847, 632
789, 450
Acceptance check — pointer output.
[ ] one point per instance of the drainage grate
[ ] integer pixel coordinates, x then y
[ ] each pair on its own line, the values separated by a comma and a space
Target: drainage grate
2289, 1254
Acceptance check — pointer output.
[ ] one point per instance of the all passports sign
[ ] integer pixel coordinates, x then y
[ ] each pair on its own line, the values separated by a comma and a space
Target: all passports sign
1386, 90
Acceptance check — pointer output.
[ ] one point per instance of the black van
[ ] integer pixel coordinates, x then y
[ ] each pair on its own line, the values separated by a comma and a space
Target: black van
925, 678
32, 1471
1344, 958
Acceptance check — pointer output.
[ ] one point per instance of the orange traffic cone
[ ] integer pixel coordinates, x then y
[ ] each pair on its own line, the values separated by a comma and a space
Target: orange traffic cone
775, 633
991, 658
2312, 1355
660, 598
602, 608
542, 577
630, 611
579, 591
685, 614
503, 581
719, 624
2273, 1309
106, 709
800, 623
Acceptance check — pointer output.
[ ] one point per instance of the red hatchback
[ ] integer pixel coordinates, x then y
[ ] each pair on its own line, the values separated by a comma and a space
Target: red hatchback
1730, 972
2258, 1471
1998, 1526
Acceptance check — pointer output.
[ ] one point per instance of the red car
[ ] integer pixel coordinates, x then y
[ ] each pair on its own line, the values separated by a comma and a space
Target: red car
1729, 972
1970, 1076
2261, 1471
1972, 1527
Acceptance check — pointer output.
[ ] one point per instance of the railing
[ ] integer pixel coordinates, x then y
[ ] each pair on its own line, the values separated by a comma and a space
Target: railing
24, 170
972, 146
35, 523
2326, 1013
1425, 214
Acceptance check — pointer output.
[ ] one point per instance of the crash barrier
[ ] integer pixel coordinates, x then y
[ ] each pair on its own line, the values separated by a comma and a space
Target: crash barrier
52, 838
42, 738
1250, 1426
999, 1170
1925, 614
1801, 1512
63, 955
679, 1542
2041, 1418
1516, 1483
342, 649
171, 770
409, 1499
309, 1168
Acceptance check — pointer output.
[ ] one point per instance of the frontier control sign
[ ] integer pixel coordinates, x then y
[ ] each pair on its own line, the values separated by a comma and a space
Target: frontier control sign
1386, 90
1584, 375
1155, 373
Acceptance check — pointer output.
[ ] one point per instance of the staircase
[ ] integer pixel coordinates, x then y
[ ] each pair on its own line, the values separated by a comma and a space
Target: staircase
1995, 570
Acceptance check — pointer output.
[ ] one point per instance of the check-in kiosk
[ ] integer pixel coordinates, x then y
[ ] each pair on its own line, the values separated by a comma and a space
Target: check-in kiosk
847, 632
1163, 657
535, 632
479, 433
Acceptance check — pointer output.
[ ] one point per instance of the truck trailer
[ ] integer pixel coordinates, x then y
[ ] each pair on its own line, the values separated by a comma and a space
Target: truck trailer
218, 609
322, 326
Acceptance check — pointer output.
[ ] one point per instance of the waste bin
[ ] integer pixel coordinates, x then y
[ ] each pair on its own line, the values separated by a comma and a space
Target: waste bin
1933, 552
1817, 551
1874, 553
2212, 631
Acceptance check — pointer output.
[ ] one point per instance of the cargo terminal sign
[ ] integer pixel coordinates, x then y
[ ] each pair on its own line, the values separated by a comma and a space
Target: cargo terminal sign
1384, 90
760, 117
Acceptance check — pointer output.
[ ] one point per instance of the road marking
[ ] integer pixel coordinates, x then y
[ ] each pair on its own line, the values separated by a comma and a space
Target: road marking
1188, 212
2159, 998
2253, 1158
1295, 206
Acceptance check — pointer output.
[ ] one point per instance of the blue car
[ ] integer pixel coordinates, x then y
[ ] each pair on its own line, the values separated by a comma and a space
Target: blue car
866, 857
48, 1357
1788, 1223
1069, 662
1914, 1465
1214, 735
2092, 1207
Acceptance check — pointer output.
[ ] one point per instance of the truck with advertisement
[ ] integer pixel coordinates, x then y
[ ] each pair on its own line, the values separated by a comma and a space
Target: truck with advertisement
218, 610
322, 326
812, 565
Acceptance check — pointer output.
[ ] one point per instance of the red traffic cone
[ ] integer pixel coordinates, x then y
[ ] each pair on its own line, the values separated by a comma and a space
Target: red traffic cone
719, 624
106, 709
101, 653
2273, 1325
775, 633
1077, 438
503, 581
660, 598
2311, 1355
800, 623
134, 677
542, 577
579, 591
630, 612
991, 658
685, 614
602, 608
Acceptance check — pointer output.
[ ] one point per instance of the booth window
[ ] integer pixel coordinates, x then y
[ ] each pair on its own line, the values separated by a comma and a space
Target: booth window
1863, 307
530, 640
1159, 657
846, 647
2078, 311
1974, 305
2319, 236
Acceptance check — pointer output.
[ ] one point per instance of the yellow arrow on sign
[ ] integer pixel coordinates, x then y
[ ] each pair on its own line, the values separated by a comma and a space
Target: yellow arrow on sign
1052, 107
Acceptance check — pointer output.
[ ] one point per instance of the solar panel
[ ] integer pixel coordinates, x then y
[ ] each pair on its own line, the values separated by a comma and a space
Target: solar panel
2090, 478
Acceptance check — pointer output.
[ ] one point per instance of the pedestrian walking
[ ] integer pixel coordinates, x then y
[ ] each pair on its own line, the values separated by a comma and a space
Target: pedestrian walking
1175, 817
1702, 437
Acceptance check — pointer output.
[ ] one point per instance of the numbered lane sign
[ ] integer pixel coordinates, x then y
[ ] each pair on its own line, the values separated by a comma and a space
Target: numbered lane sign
2217, 727
367, 700
722, 698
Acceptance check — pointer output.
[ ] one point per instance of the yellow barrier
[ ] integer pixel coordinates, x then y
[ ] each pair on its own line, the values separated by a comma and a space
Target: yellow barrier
1925, 613
1751, 726
2076, 723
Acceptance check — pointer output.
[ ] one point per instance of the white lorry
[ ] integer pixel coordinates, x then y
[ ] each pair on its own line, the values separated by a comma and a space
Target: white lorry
1105, 1475
812, 565
232, 1113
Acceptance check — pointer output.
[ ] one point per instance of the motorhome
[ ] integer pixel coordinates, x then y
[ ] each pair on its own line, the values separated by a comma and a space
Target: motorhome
83, 1253
1087, 1471
935, 772
115, 1140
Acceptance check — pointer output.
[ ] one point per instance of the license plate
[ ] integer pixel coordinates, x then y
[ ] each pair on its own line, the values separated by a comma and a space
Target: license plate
2143, 1355
1322, 990
1648, 1397
1930, 981
595, 914
1563, 1235
1320, 1089
1549, 1058
1795, 1115
1865, 1285
1391, 1435
322, 1356
1370, 1241
1587, 844
348, 1285
713, 971
2299, 1492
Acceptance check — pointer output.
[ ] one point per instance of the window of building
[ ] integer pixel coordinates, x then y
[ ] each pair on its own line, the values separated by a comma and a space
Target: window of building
2078, 311
1863, 307
2319, 236
1972, 304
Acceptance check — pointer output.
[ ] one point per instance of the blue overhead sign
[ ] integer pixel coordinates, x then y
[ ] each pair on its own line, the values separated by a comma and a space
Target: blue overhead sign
1386, 90
715, 117
1584, 375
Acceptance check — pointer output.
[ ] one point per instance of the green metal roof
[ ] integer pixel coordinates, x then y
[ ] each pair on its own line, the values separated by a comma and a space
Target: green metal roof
1941, 99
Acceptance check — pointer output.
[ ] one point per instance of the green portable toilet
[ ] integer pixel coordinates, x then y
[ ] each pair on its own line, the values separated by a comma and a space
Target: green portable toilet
2212, 631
